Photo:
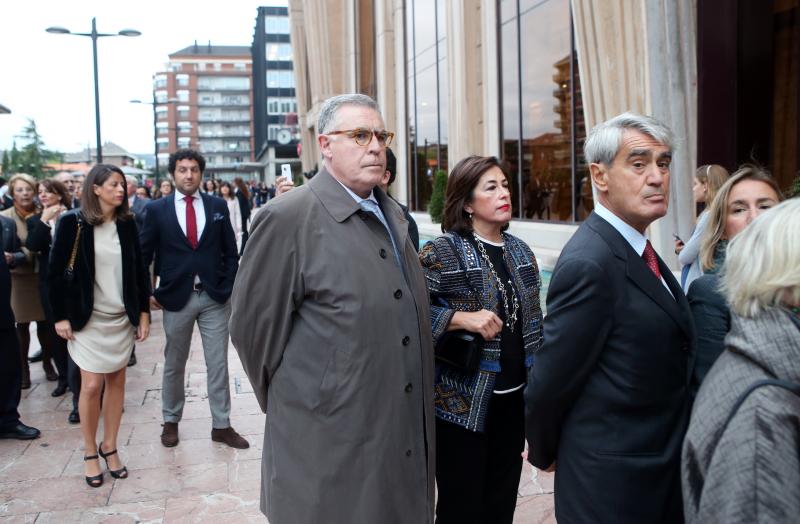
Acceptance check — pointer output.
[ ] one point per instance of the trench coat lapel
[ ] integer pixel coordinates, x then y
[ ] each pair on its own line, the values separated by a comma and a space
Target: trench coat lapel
333, 196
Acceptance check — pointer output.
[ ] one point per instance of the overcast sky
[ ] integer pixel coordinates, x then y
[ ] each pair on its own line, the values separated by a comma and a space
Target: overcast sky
48, 77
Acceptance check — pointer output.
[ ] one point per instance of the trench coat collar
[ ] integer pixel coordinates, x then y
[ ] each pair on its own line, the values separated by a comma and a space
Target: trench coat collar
333, 196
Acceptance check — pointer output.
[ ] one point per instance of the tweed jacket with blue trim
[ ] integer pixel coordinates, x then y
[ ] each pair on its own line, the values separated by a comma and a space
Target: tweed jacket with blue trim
461, 398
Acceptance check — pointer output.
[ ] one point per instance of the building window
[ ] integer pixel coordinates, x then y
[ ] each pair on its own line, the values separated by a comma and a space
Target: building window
277, 79
277, 25
183, 95
182, 80
541, 111
279, 51
161, 97
160, 82
426, 45
240, 66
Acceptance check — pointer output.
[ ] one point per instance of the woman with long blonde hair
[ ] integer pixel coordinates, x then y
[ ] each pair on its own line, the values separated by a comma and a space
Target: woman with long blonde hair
748, 193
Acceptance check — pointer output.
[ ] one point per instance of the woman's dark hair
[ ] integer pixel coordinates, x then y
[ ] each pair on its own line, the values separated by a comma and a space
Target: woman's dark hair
90, 204
239, 183
51, 185
214, 184
146, 191
186, 154
227, 184
460, 185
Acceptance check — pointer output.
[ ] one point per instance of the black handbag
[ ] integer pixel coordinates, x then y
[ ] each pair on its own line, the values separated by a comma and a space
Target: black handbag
460, 349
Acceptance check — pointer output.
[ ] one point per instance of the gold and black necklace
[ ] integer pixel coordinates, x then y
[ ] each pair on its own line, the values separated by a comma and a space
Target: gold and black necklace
511, 314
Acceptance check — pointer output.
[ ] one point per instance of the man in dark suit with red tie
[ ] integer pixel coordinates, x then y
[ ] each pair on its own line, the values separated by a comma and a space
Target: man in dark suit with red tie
192, 236
607, 401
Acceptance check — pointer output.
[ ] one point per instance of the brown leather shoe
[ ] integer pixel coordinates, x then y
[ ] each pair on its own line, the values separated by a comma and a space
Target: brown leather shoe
229, 437
169, 436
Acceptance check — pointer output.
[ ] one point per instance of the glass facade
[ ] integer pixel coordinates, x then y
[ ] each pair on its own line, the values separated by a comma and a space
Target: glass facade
541, 111
428, 96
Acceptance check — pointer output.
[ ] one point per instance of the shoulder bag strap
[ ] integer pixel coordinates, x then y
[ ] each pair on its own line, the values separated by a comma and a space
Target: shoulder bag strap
71, 264
785, 384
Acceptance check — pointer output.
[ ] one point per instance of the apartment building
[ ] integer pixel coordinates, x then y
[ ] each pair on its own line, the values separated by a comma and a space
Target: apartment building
204, 101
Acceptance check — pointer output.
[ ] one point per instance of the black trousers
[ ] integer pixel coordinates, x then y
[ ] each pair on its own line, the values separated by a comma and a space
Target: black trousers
477, 474
10, 376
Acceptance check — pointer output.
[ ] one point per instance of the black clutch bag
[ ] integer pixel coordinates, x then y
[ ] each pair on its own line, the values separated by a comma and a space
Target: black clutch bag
460, 349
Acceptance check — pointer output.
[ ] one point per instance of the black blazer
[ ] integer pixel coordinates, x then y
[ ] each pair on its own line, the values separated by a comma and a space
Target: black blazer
74, 300
712, 318
608, 393
215, 260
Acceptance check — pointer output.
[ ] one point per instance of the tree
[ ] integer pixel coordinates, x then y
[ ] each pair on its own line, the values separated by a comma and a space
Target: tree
33, 157
6, 163
436, 204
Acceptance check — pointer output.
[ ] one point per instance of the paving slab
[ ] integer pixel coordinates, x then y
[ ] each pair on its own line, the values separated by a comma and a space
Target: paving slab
197, 481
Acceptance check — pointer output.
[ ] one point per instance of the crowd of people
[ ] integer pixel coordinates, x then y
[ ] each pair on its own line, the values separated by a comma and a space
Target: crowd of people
402, 383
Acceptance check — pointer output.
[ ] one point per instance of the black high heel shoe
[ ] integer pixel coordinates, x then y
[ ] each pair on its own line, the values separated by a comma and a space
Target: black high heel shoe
121, 473
97, 480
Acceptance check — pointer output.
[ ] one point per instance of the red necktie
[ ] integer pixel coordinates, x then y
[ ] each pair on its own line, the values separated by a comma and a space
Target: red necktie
191, 222
651, 260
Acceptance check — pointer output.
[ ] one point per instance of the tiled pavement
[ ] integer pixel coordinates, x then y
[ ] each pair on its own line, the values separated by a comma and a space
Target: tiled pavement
198, 481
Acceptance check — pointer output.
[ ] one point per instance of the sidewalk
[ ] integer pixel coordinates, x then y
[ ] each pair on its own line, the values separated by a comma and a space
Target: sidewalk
198, 481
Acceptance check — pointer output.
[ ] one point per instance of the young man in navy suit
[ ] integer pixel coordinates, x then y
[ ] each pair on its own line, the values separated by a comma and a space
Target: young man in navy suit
607, 401
191, 235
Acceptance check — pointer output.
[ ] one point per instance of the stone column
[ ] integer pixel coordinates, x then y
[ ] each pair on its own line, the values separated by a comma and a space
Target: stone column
466, 79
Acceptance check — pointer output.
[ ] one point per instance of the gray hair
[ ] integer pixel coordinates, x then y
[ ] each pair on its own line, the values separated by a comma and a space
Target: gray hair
131, 178
761, 269
327, 113
605, 139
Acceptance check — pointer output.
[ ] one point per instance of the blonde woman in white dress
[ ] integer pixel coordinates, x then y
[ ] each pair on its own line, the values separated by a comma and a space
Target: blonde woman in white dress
99, 292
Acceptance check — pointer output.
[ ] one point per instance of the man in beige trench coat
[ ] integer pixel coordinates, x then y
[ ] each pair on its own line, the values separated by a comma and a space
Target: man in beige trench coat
330, 319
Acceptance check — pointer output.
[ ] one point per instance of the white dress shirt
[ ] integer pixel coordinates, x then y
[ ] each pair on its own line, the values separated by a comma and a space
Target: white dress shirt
636, 240
199, 211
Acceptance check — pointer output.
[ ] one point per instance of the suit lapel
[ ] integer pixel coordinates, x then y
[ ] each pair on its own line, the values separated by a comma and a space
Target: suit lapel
637, 272
207, 210
172, 212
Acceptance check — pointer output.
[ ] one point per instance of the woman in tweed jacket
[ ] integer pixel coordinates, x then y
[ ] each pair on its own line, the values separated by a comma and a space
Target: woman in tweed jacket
484, 281
749, 470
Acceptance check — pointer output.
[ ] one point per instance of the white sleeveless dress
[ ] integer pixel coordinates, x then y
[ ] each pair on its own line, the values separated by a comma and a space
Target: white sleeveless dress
105, 343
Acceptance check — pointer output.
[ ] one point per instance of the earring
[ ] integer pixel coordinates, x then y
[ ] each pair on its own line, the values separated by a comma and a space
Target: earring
470, 216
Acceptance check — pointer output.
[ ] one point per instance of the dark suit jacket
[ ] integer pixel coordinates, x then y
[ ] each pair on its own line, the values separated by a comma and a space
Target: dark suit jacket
74, 300
712, 318
8, 242
608, 393
215, 260
139, 210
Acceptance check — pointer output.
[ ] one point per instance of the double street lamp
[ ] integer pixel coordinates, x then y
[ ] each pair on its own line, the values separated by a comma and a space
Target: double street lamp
94, 35
155, 103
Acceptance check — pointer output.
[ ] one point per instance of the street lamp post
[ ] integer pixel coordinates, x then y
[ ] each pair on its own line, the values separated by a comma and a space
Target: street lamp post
94, 35
155, 103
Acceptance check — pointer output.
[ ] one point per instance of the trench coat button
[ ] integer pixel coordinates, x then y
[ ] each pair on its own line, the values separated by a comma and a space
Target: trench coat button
408, 453
382, 252
398, 294
406, 340
409, 387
